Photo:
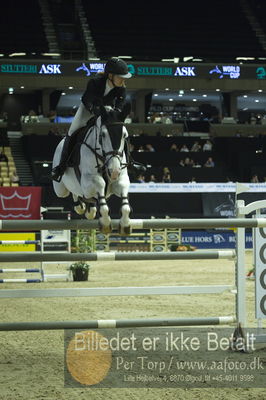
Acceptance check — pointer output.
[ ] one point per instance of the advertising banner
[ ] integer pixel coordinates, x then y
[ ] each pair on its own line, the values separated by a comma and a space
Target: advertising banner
10, 236
20, 202
213, 239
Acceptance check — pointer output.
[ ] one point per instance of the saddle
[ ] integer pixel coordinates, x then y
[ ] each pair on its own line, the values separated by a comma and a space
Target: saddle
76, 140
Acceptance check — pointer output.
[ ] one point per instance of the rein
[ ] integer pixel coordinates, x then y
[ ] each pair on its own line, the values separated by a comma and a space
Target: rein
102, 158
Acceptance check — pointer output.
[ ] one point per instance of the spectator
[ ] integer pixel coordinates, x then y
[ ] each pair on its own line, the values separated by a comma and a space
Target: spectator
141, 178
254, 179
166, 171
209, 163
174, 147
196, 147
166, 119
149, 147
192, 180
207, 146
152, 179
52, 115
166, 178
31, 117
184, 148
188, 162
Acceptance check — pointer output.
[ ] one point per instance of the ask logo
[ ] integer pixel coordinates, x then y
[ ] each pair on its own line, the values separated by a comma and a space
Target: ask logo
185, 71
50, 69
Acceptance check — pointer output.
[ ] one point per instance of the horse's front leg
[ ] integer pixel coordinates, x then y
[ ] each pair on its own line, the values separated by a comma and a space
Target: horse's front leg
93, 186
79, 206
104, 220
124, 223
91, 211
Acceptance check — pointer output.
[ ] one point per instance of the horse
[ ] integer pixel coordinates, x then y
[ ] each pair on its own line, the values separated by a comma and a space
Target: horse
101, 170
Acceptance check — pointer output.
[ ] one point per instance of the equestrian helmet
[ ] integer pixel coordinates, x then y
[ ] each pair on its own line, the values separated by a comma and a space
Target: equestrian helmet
118, 67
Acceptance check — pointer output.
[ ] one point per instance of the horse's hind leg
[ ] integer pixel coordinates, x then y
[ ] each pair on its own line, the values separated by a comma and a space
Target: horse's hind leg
79, 206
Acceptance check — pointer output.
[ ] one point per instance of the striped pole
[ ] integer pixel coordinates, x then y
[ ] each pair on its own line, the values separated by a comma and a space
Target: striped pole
19, 241
20, 280
29, 270
124, 323
117, 256
171, 223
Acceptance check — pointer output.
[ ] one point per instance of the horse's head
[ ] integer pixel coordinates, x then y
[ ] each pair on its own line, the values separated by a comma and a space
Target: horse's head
113, 137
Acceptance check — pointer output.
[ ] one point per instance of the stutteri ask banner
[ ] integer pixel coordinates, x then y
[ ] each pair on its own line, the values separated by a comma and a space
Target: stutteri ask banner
20, 202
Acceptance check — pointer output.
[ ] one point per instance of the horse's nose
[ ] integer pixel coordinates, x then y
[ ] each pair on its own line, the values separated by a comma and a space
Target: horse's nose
114, 174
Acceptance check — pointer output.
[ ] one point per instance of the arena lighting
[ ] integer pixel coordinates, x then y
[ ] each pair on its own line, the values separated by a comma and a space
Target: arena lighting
192, 90
171, 99
51, 54
125, 57
22, 87
181, 91
45, 165
245, 58
185, 59
197, 59
155, 94
94, 58
2, 55
204, 95
17, 54
10, 90
166, 88
194, 99
70, 87
217, 90
63, 94
245, 95
260, 90
257, 101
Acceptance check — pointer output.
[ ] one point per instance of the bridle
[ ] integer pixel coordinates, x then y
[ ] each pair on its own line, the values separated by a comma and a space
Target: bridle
103, 159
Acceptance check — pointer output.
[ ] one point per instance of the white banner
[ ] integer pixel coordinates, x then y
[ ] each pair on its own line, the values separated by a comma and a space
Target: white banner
195, 188
55, 236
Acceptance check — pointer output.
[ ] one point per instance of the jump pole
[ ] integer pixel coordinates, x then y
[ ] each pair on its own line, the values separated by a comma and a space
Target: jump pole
204, 223
123, 323
117, 256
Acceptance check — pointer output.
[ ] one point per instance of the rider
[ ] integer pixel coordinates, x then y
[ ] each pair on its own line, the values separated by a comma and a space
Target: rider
105, 89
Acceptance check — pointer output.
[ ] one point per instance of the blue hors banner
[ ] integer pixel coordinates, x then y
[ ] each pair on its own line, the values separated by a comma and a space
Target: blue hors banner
213, 239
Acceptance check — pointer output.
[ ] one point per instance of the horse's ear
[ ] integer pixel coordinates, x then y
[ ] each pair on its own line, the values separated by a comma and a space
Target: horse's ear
125, 111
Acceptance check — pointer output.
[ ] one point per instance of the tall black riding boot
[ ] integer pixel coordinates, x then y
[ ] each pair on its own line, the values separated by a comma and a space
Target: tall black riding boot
59, 170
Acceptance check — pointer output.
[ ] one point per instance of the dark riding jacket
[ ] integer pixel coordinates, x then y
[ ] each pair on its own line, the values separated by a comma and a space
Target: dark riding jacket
94, 95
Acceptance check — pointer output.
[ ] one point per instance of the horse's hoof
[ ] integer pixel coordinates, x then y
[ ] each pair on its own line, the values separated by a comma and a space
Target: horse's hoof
105, 228
125, 230
80, 210
90, 214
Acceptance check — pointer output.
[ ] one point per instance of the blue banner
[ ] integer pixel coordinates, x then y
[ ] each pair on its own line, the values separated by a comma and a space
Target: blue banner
213, 239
